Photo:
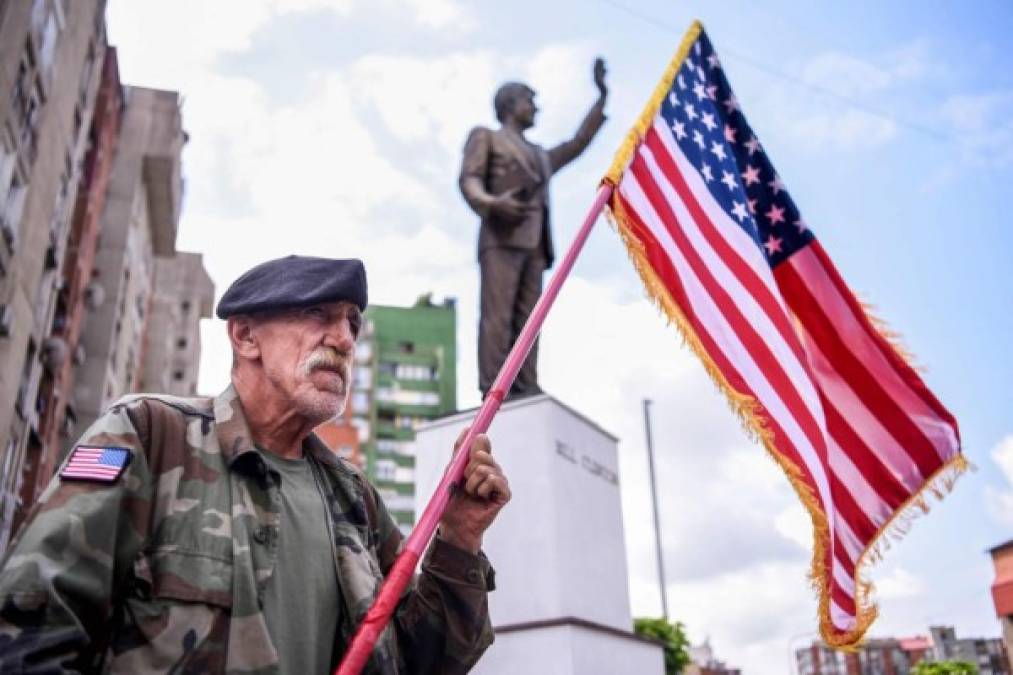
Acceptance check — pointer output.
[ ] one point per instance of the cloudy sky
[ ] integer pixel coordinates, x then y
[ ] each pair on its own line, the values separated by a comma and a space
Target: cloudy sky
334, 127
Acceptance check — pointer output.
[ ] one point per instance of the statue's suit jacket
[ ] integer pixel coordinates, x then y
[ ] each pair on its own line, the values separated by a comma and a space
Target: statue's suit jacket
499, 160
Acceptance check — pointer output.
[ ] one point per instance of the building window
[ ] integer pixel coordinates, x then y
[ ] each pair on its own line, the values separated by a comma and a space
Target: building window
360, 401
57, 219
394, 447
177, 375
10, 217
363, 377
405, 474
386, 469
185, 306
407, 396
363, 351
362, 425
48, 49
406, 347
27, 99
386, 445
7, 161
418, 373
181, 343
25, 385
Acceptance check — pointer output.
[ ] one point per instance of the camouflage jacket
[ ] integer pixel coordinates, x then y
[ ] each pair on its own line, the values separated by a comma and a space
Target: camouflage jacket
165, 569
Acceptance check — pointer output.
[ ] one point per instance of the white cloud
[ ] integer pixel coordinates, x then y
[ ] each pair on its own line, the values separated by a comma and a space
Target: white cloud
850, 76
848, 129
749, 614
418, 99
899, 583
841, 111
442, 97
1000, 501
794, 524
561, 74
982, 125
443, 14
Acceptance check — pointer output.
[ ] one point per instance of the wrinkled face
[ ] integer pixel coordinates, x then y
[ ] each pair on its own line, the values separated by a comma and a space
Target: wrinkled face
307, 356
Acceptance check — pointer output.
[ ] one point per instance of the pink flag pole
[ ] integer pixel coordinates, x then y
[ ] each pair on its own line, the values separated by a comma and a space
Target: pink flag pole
400, 574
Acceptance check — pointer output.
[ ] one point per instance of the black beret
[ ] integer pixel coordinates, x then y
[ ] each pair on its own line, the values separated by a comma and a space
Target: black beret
295, 281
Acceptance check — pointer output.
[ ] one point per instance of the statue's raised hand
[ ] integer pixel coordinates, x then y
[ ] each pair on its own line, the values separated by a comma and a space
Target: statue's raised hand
599, 77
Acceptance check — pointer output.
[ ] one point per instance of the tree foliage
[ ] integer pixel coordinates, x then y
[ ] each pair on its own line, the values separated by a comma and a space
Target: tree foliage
672, 635
945, 668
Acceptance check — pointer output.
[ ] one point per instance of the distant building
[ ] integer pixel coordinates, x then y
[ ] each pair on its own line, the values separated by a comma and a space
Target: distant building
897, 656
876, 656
405, 374
154, 297
918, 648
95, 301
183, 294
819, 659
988, 654
1002, 591
703, 662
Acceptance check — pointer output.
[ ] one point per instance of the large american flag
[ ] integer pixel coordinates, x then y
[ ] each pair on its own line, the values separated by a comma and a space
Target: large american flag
724, 251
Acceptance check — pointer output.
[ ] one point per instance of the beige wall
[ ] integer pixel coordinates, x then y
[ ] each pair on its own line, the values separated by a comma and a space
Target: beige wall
183, 295
138, 226
43, 132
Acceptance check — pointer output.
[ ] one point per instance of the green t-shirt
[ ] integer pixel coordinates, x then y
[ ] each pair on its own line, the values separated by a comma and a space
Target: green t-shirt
301, 601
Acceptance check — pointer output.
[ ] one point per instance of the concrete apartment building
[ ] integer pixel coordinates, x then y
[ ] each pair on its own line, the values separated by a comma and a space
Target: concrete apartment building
876, 656
988, 654
78, 294
51, 52
897, 656
145, 335
95, 301
405, 374
183, 294
1002, 590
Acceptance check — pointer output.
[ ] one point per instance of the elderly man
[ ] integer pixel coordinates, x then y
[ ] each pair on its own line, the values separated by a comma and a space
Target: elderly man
221, 536
505, 180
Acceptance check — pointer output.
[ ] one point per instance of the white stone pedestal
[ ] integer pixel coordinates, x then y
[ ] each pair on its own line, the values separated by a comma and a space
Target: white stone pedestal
561, 603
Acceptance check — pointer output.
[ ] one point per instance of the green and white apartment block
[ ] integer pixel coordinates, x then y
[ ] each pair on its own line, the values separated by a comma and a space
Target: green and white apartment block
405, 374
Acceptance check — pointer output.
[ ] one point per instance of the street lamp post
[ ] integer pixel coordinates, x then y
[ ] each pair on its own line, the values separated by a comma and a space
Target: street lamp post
654, 500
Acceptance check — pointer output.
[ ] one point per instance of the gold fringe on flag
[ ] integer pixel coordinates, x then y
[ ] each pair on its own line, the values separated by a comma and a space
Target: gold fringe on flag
635, 136
748, 410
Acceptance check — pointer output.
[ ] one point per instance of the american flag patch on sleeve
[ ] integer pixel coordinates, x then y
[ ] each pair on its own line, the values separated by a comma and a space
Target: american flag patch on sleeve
99, 465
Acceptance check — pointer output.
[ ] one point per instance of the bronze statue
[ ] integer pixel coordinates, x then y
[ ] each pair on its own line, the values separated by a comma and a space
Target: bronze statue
505, 180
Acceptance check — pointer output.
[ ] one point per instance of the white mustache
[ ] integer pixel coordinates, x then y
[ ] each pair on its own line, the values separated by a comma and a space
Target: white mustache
328, 359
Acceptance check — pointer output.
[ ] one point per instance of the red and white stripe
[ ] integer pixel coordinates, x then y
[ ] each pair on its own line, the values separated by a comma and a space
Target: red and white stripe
85, 465
843, 406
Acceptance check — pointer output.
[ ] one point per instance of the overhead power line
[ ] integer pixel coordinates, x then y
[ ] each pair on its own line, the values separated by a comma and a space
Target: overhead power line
798, 81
